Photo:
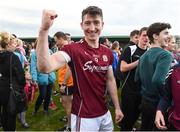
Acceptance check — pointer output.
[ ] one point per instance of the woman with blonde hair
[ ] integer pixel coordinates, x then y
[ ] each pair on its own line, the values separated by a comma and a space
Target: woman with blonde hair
8, 120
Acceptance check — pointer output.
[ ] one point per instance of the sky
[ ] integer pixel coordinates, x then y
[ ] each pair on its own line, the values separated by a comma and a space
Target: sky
23, 17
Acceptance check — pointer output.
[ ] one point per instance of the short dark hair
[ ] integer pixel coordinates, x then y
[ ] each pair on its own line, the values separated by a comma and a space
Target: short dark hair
67, 34
134, 32
156, 28
93, 11
143, 29
59, 35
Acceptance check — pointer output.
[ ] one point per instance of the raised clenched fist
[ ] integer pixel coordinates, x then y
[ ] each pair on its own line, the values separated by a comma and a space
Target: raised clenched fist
48, 17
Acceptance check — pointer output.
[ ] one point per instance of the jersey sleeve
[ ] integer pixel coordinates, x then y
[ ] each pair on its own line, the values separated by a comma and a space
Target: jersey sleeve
126, 55
67, 52
66, 56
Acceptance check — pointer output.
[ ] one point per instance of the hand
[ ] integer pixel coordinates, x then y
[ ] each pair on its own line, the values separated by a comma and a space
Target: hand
118, 115
48, 17
35, 83
62, 88
159, 120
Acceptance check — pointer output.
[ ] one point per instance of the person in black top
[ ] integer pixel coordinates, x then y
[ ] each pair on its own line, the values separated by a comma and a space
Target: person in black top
8, 121
133, 38
130, 95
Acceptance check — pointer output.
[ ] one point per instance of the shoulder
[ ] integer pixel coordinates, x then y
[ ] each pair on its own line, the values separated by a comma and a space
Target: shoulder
14, 55
133, 46
17, 53
71, 47
165, 53
15, 58
114, 52
10, 54
127, 51
103, 47
105, 51
33, 53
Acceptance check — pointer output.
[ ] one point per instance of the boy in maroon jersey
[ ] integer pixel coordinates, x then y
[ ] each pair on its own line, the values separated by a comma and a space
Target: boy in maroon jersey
91, 68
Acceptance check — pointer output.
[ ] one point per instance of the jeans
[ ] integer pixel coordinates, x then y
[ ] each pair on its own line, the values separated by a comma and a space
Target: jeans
44, 95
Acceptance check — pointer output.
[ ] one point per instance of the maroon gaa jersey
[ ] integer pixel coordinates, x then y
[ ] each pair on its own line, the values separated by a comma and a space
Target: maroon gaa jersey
89, 68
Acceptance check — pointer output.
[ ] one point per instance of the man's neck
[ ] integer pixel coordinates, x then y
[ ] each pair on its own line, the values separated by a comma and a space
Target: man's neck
141, 46
132, 43
93, 44
153, 45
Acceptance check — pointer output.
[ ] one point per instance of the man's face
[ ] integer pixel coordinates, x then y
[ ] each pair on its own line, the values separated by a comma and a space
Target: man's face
172, 44
163, 38
92, 27
60, 42
135, 39
143, 39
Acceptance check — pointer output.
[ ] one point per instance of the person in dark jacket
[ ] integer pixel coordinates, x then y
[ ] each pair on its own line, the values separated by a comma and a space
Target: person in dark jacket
8, 121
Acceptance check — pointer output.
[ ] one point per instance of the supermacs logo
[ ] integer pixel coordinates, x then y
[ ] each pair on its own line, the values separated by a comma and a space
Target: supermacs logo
92, 68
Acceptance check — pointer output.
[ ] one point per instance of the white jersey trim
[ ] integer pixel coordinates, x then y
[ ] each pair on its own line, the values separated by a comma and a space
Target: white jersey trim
110, 67
66, 56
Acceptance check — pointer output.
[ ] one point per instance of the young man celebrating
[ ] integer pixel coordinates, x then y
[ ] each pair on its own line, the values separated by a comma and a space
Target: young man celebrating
151, 72
92, 71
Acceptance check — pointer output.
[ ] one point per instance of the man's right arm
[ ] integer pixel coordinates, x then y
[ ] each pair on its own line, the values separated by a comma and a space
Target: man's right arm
47, 63
126, 64
127, 67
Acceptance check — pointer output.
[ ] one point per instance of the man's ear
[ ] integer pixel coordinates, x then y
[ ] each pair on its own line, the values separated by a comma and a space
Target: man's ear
155, 36
102, 24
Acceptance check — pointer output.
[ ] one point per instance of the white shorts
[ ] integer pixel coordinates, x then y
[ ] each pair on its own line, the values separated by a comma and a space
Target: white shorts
101, 123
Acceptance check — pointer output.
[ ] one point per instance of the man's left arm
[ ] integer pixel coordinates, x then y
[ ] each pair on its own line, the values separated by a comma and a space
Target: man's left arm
112, 89
160, 73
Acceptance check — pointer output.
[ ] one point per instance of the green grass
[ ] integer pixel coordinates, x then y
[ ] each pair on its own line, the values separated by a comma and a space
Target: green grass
42, 122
